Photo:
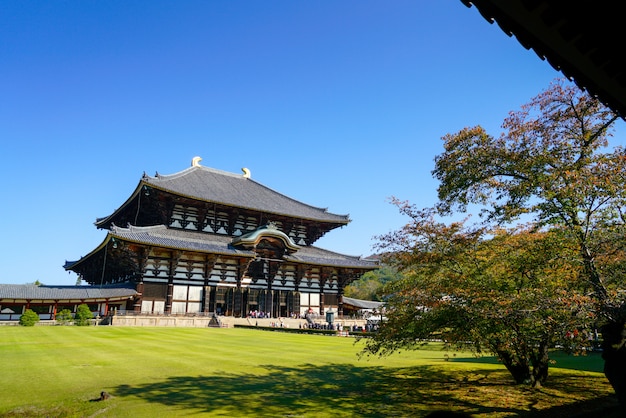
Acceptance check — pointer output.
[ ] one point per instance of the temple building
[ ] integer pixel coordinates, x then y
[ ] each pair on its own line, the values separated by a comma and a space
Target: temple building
207, 241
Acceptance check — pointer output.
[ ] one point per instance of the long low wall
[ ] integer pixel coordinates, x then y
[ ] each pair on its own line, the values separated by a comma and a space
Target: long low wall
222, 321
199, 322
202, 322
160, 321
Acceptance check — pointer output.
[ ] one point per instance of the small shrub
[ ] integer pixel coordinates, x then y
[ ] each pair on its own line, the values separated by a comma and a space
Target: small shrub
29, 318
83, 315
64, 317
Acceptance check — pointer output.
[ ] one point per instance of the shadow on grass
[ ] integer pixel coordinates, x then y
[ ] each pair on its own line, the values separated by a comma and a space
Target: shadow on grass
591, 362
348, 390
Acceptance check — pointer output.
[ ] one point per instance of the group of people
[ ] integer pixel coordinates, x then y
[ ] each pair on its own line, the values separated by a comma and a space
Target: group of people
259, 314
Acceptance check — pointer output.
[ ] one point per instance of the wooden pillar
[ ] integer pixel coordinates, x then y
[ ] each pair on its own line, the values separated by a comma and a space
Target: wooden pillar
240, 304
340, 303
269, 298
298, 275
342, 279
169, 297
175, 258
272, 270
206, 293
139, 299
324, 274
238, 308
209, 264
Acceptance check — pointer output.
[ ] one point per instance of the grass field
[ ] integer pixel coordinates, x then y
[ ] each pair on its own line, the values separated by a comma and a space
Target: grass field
182, 372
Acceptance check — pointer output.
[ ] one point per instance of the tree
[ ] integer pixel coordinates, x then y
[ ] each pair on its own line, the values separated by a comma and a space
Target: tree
549, 165
370, 285
64, 317
36, 283
511, 293
83, 315
29, 318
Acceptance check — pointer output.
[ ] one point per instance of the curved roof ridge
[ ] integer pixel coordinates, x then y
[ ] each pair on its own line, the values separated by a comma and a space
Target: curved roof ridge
325, 210
184, 172
135, 228
354, 257
269, 230
238, 190
171, 237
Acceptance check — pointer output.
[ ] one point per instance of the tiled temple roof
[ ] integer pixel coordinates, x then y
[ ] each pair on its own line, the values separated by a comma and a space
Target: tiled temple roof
177, 239
362, 304
43, 292
319, 256
211, 185
221, 244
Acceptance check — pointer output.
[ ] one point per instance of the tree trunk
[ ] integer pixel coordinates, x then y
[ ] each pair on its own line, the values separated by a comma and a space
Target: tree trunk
613, 333
519, 370
614, 355
541, 362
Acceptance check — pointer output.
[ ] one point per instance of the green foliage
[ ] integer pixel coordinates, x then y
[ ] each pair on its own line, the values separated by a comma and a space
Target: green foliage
64, 316
507, 293
36, 283
29, 318
547, 165
517, 292
552, 165
370, 285
83, 315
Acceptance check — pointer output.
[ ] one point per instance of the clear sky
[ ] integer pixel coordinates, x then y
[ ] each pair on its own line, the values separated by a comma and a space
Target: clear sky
338, 104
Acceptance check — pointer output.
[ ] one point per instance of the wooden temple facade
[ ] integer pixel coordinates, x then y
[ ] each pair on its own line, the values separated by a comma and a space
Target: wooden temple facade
205, 241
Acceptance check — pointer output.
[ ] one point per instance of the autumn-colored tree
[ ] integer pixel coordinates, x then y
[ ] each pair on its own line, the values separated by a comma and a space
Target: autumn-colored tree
552, 164
509, 293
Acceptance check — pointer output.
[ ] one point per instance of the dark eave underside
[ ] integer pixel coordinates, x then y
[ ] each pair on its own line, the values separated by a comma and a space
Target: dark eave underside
579, 39
219, 244
160, 236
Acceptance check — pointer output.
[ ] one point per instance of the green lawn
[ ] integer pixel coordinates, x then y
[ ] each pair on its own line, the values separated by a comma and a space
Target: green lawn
182, 372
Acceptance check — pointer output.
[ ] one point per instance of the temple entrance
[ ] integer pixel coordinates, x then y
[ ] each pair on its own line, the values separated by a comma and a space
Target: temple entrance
293, 303
253, 301
230, 302
286, 303
220, 301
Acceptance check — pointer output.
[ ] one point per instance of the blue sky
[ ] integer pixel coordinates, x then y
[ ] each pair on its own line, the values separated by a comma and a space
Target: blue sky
339, 104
